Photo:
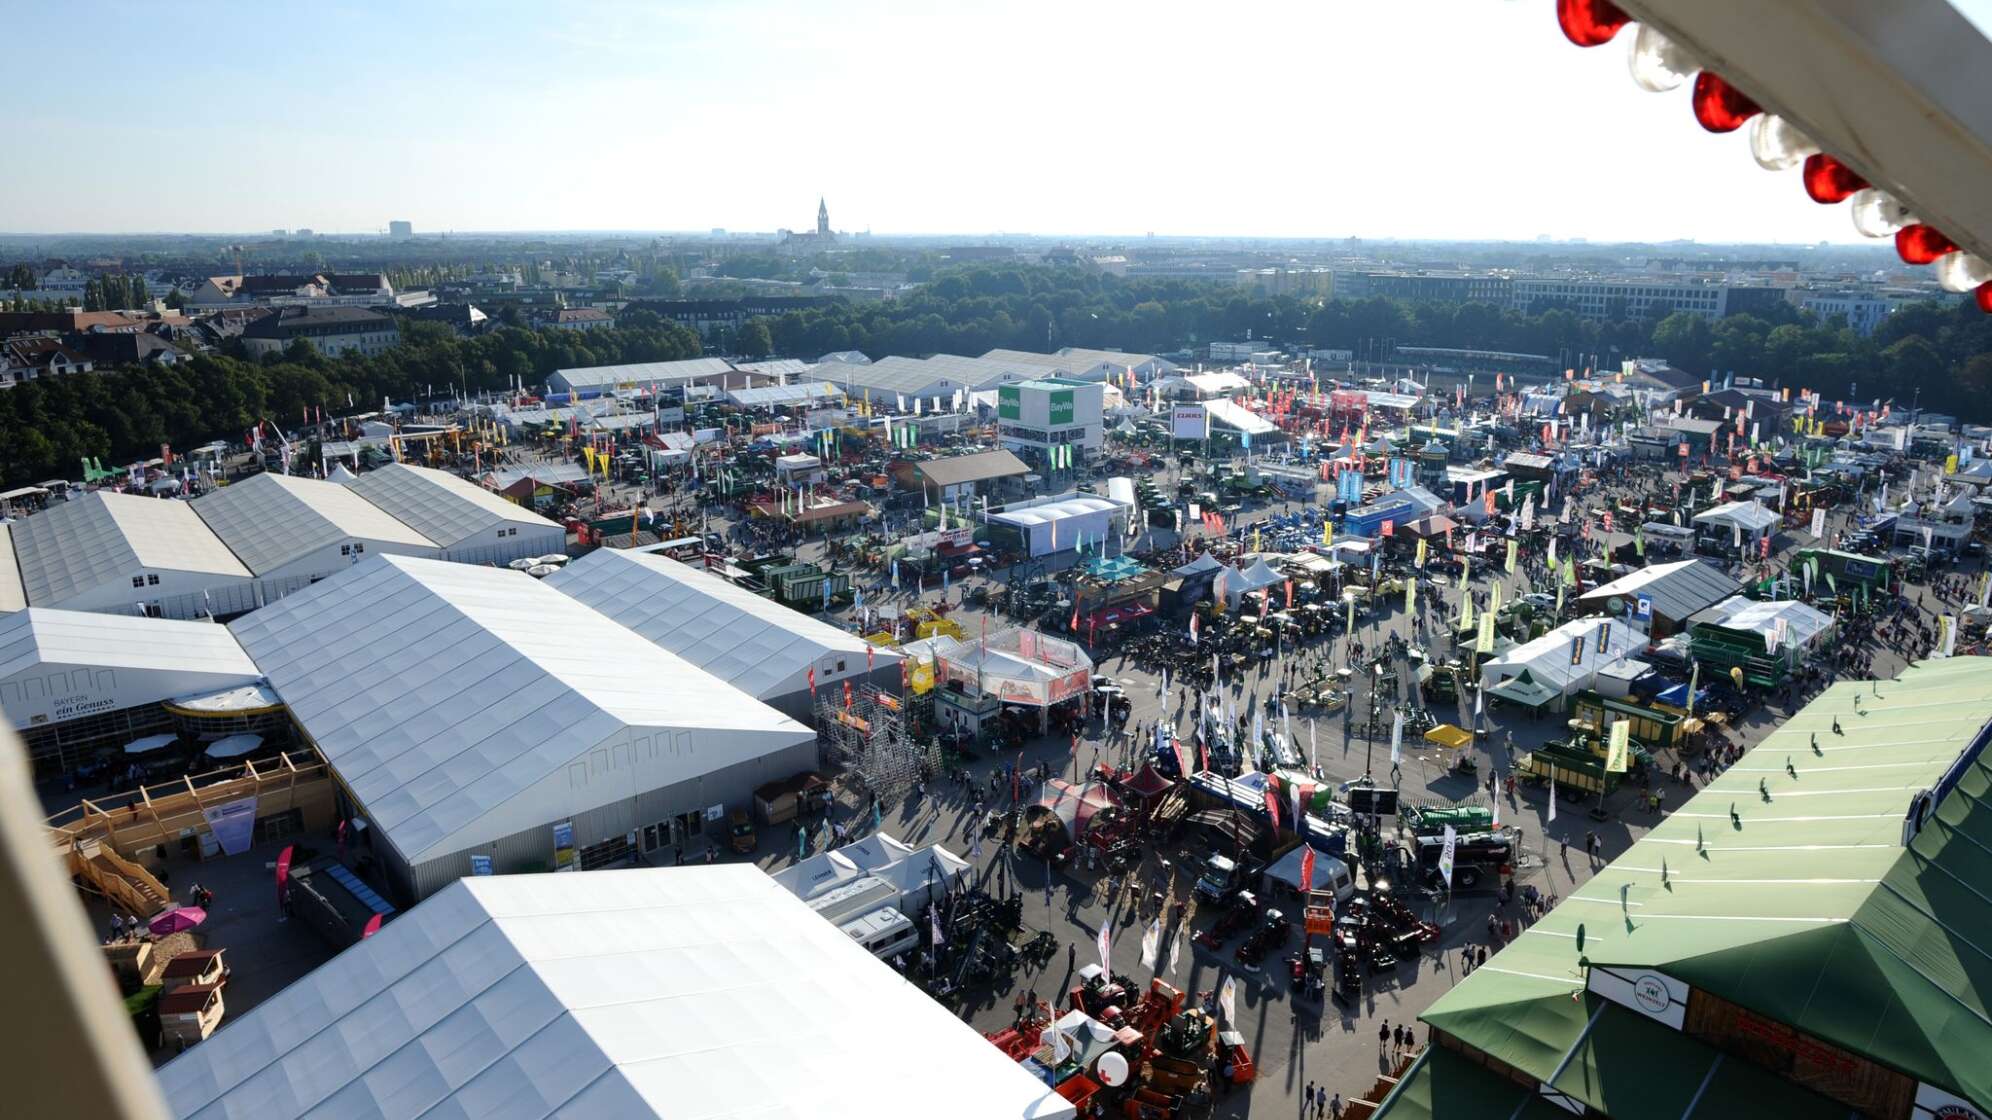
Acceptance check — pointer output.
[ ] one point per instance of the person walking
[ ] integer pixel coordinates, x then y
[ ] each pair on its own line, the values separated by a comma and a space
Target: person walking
1383, 1039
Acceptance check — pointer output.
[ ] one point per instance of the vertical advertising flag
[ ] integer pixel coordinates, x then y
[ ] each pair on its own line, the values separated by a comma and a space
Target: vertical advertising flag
1616, 759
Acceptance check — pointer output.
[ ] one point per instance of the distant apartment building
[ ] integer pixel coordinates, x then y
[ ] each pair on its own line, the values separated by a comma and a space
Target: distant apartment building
705, 314
1258, 353
1423, 287
1614, 299
364, 289
401, 231
1603, 299
1298, 282
577, 319
333, 331
1862, 312
32, 357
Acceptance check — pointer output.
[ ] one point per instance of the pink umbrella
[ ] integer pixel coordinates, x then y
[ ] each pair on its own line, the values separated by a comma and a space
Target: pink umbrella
176, 920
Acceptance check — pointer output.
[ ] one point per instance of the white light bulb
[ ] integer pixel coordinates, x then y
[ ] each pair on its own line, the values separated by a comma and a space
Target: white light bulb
1962, 272
1777, 144
1656, 63
1878, 214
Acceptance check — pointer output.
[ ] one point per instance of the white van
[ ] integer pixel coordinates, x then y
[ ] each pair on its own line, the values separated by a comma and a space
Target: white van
885, 932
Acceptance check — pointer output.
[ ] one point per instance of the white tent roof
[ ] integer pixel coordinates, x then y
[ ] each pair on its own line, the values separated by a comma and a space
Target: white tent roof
682, 992
450, 698
1204, 562
829, 869
127, 660
1259, 575
269, 520
340, 474
1678, 589
1065, 510
1236, 416
1223, 381
1327, 869
439, 505
1802, 622
103, 537
1547, 658
642, 373
753, 643
1750, 515
13, 595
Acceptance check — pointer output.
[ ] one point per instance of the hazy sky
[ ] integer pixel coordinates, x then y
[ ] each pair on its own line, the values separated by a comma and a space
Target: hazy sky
1320, 118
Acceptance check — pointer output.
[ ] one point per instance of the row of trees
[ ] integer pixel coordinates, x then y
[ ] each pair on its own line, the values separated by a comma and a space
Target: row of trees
1941, 351
1938, 354
48, 425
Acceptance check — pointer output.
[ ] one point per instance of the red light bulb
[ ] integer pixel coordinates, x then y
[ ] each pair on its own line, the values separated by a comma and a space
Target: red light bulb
1985, 297
1719, 106
1828, 180
1590, 23
1921, 244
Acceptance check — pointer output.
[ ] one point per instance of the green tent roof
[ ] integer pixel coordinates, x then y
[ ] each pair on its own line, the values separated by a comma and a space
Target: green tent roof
1789, 892
1626, 1066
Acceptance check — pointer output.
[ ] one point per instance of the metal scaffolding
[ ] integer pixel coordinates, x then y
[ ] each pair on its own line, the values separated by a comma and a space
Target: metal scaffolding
869, 736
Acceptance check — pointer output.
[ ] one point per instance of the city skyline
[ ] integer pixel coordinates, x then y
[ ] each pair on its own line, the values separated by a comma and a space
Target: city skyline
1111, 121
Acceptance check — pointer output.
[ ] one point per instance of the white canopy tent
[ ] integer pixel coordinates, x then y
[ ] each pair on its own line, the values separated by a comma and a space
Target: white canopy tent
1328, 871
234, 746
1061, 525
1564, 661
149, 743
1737, 522
828, 869
1803, 625
913, 873
613, 995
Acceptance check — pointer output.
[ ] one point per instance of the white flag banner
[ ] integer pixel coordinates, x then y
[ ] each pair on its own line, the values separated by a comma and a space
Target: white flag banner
1819, 522
1552, 799
1227, 999
1396, 738
1151, 943
1106, 946
1176, 954
1446, 857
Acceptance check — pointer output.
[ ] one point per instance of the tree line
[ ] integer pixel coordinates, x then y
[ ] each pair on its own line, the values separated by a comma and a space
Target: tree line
48, 425
1937, 354
1938, 350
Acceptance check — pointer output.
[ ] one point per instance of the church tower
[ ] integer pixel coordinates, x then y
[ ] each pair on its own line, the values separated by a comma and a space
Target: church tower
822, 218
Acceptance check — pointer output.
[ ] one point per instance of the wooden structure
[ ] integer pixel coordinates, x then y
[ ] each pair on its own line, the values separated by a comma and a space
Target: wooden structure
201, 967
124, 884
114, 850
189, 1014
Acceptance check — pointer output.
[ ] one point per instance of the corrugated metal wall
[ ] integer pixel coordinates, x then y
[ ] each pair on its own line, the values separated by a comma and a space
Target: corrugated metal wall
532, 849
